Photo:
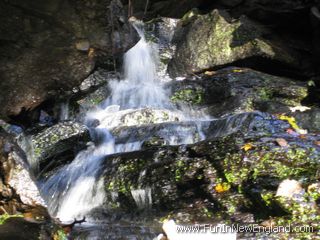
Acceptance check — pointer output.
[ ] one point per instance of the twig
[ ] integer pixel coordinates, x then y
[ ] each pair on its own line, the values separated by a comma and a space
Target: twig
146, 8
71, 225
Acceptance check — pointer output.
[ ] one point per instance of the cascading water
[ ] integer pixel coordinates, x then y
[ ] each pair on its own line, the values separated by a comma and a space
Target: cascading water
140, 98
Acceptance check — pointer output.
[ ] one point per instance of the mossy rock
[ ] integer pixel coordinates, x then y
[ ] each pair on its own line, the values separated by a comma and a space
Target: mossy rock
192, 175
224, 41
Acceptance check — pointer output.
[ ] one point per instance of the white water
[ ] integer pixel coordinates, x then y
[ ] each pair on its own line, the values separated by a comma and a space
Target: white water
140, 98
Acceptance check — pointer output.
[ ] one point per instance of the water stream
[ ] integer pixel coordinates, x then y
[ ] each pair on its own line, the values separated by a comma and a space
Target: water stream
138, 99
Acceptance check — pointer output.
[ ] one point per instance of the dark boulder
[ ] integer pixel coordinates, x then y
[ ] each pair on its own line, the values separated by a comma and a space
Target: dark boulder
48, 48
226, 41
309, 119
221, 178
234, 90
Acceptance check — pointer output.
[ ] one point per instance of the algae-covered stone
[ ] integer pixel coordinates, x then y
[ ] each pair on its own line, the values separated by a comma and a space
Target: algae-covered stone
215, 39
218, 177
62, 138
235, 90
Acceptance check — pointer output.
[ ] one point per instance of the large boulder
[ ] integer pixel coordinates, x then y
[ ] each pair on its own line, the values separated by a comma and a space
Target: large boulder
234, 90
49, 47
226, 41
220, 178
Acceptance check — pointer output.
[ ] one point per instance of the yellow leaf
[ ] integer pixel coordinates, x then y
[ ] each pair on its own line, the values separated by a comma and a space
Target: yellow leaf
291, 121
222, 187
209, 73
91, 53
247, 147
237, 70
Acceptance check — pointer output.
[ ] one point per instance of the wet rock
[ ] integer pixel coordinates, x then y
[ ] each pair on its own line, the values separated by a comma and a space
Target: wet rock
309, 119
111, 116
187, 132
92, 91
62, 139
99, 78
226, 41
216, 177
161, 31
20, 229
18, 190
234, 90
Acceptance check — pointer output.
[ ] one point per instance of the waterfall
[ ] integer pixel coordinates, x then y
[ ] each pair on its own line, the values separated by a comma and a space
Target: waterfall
140, 98
64, 111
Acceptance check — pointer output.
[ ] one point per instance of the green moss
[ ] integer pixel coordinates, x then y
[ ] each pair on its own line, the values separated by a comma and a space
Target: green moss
37, 152
274, 162
190, 96
267, 197
189, 16
302, 213
54, 139
181, 168
5, 217
121, 181
60, 235
96, 101
265, 94
206, 212
232, 172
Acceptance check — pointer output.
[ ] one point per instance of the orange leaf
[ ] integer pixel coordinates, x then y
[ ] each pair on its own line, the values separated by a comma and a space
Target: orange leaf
222, 187
303, 136
317, 143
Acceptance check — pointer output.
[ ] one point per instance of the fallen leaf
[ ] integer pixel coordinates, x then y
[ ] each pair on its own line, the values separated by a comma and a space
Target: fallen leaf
290, 120
237, 70
209, 73
247, 146
303, 136
292, 132
91, 53
222, 187
282, 142
317, 143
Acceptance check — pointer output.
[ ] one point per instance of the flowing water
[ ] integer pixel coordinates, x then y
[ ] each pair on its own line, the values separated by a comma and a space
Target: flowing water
139, 99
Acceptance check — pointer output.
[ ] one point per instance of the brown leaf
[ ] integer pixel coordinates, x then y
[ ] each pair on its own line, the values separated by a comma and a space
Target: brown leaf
282, 142
317, 143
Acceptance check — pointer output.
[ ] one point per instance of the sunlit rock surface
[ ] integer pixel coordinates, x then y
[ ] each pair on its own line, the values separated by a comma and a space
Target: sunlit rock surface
226, 41
18, 189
